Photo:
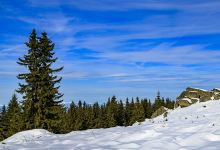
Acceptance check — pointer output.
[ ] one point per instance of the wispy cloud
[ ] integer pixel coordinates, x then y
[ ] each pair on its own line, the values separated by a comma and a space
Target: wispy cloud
120, 47
124, 5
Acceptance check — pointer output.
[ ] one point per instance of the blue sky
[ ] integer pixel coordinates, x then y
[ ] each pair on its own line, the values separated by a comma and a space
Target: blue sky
123, 48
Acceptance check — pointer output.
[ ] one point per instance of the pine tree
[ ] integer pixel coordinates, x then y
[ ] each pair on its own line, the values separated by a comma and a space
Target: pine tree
29, 89
111, 112
138, 112
145, 106
132, 108
13, 116
42, 105
169, 103
97, 116
103, 120
49, 104
120, 114
80, 120
71, 117
158, 102
149, 109
128, 112
3, 123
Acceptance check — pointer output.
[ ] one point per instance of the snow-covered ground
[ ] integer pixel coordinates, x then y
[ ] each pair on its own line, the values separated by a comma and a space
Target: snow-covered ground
194, 127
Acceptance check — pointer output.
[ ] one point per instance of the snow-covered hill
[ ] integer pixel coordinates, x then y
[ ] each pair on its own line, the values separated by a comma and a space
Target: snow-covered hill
193, 127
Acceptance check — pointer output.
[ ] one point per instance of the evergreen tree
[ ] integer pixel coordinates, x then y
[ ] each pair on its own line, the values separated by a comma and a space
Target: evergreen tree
138, 112
42, 105
103, 121
169, 103
13, 116
97, 114
3, 123
158, 102
120, 115
30, 88
80, 120
132, 108
149, 110
145, 106
128, 112
71, 117
49, 104
111, 112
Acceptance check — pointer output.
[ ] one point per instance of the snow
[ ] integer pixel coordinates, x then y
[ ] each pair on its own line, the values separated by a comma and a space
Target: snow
216, 89
187, 99
193, 127
193, 91
201, 89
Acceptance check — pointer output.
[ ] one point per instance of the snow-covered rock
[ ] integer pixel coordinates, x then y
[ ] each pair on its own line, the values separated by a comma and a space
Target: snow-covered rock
193, 95
159, 111
193, 127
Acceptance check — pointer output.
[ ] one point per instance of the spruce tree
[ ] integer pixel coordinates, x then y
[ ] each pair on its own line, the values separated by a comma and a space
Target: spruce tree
120, 116
80, 119
13, 116
3, 123
41, 99
158, 102
132, 108
71, 117
138, 112
111, 112
149, 109
49, 107
103, 120
29, 89
144, 104
128, 112
97, 115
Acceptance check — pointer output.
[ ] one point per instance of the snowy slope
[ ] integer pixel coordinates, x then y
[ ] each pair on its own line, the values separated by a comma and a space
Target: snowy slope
194, 127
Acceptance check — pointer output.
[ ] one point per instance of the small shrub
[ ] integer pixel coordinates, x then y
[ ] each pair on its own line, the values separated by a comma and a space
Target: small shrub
165, 114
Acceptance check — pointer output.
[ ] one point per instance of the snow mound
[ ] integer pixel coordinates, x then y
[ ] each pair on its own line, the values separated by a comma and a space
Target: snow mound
28, 136
193, 127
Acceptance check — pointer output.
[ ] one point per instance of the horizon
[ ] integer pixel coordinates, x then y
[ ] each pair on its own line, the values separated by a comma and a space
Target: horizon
122, 48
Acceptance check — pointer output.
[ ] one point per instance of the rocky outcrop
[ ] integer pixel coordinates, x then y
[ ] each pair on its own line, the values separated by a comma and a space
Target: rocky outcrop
193, 95
159, 111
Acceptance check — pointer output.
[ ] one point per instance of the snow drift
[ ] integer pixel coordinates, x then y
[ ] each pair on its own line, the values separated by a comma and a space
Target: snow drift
193, 127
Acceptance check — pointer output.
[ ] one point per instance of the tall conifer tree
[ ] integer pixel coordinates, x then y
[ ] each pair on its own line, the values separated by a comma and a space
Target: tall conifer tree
3, 123
31, 79
41, 98
14, 117
49, 107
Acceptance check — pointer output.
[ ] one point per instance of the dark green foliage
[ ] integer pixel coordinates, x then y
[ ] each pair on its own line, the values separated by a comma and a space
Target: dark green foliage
128, 113
29, 88
113, 113
120, 114
41, 100
71, 117
13, 115
138, 114
86, 116
3, 124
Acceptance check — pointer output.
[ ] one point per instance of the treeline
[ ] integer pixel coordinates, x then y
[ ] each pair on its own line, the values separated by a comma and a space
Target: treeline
82, 116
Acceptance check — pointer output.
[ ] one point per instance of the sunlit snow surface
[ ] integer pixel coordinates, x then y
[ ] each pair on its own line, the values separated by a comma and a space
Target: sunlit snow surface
194, 127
